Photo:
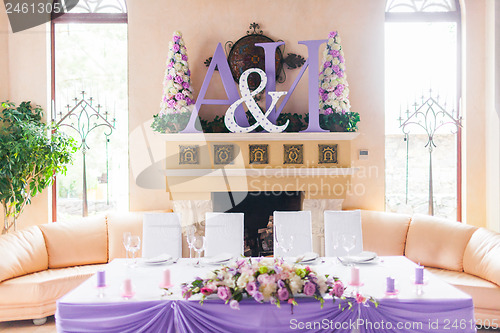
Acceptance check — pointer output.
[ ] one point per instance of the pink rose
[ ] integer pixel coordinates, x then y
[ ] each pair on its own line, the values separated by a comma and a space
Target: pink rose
206, 291
179, 96
175, 48
223, 293
185, 85
335, 53
251, 288
291, 300
327, 64
309, 288
178, 79
337, 289
176, 38
234, 304
184, 57
332, 34
360, 298
283, 294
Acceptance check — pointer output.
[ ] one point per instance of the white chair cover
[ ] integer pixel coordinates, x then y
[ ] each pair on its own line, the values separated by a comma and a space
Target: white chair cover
298, 225
338, 223
224, 234
161, 234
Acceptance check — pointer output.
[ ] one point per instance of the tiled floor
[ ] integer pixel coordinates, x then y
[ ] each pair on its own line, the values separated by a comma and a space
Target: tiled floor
26, 326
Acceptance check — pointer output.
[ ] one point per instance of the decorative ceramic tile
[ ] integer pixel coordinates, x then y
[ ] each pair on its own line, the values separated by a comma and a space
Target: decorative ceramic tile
223, 154
327, 153
258, 154
189, 154
293, 154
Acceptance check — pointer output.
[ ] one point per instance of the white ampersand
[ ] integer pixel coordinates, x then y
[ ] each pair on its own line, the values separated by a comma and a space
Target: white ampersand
253, 107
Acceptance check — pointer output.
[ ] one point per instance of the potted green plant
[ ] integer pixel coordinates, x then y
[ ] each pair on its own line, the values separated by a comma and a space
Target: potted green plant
31, 153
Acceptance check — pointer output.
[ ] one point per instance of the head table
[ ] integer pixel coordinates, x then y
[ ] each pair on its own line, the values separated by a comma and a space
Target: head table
440, 308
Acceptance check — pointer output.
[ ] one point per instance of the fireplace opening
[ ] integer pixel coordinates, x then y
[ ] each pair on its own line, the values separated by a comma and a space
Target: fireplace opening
258, 208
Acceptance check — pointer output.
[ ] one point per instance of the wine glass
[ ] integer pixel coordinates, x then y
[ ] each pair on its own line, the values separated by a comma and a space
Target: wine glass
284, 241
348, 243
199, 246
126, 235
134, 245
190, 234
336, 241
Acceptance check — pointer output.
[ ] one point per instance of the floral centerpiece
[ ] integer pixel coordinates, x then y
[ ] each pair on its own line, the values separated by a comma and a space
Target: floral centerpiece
267, 280
177, 99
334, 89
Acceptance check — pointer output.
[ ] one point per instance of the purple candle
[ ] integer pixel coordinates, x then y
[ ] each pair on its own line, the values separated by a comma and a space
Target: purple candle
390, 285
101, 279
419, 275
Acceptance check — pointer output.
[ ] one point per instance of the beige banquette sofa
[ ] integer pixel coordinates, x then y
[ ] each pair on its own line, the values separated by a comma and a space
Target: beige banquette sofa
40, 264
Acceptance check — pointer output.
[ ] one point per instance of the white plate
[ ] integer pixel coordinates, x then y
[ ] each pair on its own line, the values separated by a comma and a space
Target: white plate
307, 258
363, 257
219, 259
162, 258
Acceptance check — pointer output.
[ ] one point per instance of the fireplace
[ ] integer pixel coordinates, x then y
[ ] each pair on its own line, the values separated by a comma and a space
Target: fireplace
258, 208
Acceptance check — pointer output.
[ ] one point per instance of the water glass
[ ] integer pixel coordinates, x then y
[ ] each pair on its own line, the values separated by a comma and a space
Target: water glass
348, 243
199, 246
126, 236
284, 241
134, 245
190, 235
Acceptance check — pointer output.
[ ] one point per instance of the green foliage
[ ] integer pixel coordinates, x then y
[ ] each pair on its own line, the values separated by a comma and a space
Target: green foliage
334, 122
29, 157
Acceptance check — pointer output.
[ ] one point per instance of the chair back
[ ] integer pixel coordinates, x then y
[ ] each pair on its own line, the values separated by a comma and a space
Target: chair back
162, 234
339, 223
224, 234
292, 224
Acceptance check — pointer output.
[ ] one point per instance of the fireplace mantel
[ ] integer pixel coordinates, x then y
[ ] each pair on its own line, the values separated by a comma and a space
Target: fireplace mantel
230, 137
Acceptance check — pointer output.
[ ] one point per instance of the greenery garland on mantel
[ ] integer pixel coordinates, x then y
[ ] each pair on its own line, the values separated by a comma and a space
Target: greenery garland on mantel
334, 122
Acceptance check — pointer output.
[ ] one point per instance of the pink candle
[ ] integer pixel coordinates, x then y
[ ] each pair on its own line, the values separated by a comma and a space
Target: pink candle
166, 279
127, 287
419, 275
355, 276
390, 285
101, 279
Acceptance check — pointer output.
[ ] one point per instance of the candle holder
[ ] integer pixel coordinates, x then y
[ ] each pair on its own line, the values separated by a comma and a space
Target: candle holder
101, 283
127, 289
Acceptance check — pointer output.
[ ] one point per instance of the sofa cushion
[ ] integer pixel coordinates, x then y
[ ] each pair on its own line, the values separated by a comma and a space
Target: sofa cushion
484, 294
384, 233
22, 252
437, 242
35, 295
81, 242
482, 255
118, 223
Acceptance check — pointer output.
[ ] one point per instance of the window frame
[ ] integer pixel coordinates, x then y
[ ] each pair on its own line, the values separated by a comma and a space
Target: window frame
450, 16
66, 18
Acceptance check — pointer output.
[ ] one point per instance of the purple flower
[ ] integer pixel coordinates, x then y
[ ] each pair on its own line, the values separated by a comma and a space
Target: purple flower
164, 98
223, 293
176, 38
332, 34
341, 58
258, 296
340, 74
321, 91
176, 48
234, 304
179, 96
335, 53
178, 79
184, 57
170, 64
328, 111
185, 85
309, 288
281, 284
283, 294
251, 288
336, 69
188, 72
337, 289
206, 291
189, 101
324, 97
327, 64
168, 77
171, 104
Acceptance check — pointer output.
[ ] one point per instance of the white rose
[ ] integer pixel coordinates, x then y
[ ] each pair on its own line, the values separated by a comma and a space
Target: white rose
178, 57
325, 85
177, 33
337, 39
328, 71
336, 47
336, 61
331, 42
170, 54
183, 50
329, 57
181, 42
321, 77
336, 104
178, 66
321, 103
173, 91
346, 91
177, 86
342, 67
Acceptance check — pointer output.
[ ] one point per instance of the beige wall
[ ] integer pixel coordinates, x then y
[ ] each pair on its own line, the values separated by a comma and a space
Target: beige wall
205, 23
473, 107
26, 55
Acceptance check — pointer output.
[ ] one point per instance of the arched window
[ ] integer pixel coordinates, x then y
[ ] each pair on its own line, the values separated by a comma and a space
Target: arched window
89, 77
423, 90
